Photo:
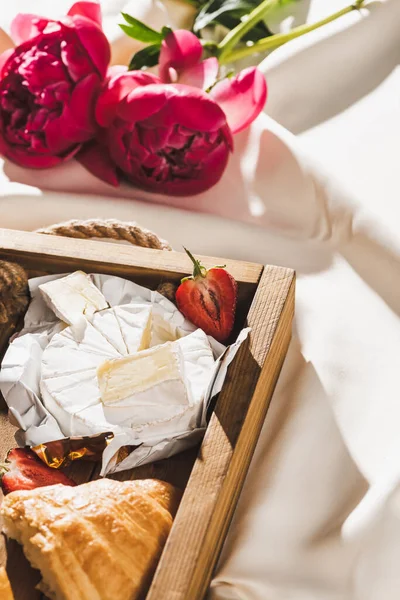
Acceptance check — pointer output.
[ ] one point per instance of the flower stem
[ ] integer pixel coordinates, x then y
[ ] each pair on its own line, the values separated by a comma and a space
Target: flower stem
274, 41
213, 46
236, 34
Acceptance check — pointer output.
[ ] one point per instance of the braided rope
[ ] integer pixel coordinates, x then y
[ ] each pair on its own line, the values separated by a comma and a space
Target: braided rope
14, 293
108, 229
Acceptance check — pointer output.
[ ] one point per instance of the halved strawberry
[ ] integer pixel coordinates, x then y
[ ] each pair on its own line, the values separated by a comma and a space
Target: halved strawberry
23, 470
208, 299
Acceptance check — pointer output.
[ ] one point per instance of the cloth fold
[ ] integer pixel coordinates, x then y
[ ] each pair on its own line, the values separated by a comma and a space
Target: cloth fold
319, 515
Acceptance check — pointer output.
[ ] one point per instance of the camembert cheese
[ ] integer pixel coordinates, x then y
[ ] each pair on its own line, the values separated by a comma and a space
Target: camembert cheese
124, 380
73, 296
128, 327
153, 391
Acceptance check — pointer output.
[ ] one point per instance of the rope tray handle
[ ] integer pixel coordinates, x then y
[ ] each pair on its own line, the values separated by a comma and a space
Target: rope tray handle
108, 229
115, 230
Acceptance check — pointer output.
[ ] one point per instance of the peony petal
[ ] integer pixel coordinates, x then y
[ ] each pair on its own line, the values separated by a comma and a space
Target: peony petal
117, 147
117, 89
207, 176
35, 161
39, 72
153, 139
143, 102
80, 108
194, 109
3, 146
228, 136
90, 10
74, 57
26, 26
4, 58
180, 50
96, 159
212, 169
115, 70
76, 124
95, 43
62, 135
242, 98
202, 75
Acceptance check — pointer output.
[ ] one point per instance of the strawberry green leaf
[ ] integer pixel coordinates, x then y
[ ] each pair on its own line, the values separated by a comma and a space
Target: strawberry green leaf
198, 269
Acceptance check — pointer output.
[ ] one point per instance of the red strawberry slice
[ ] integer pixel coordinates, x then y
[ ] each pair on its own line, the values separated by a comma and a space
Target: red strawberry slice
208, 299
23, 470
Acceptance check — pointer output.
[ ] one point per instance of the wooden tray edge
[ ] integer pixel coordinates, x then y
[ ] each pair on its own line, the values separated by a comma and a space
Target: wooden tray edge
55, 252
217, 478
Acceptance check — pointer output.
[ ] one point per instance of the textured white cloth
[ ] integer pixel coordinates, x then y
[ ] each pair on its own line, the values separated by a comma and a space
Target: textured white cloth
319, 518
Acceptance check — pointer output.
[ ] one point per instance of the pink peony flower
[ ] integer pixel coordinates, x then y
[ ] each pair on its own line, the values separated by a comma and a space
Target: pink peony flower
166, 134
49, 84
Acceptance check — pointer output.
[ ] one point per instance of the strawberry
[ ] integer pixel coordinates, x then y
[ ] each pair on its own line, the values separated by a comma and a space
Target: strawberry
23, 470
208, 299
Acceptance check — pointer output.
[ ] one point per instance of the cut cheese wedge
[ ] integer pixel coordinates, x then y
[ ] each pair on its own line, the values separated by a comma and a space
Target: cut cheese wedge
128, 327
138, 377
159, 394
73, 297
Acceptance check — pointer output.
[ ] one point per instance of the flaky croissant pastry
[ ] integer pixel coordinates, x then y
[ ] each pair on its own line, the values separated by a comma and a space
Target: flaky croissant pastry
5, 588
97, 541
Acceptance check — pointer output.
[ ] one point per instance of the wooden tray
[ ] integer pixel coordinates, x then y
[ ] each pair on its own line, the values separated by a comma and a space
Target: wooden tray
212, 474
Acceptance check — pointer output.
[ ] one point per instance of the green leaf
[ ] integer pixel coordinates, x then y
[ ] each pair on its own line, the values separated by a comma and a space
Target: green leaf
148, 57
196, 3
139, 31
165, 31
260, 31
229, 14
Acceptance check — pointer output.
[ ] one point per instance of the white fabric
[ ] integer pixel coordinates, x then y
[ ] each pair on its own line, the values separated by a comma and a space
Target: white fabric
319, 518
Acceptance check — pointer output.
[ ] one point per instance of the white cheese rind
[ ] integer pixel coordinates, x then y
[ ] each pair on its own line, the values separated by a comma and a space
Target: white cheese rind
199, 363
68, 382
165, 383
127, 327
73, 296
149, 381
71, 393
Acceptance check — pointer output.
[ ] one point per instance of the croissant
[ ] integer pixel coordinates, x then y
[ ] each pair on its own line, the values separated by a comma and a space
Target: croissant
97, 541
5, 588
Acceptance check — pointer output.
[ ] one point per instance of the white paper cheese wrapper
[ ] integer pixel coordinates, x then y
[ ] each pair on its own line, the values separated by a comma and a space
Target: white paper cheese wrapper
21, 371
